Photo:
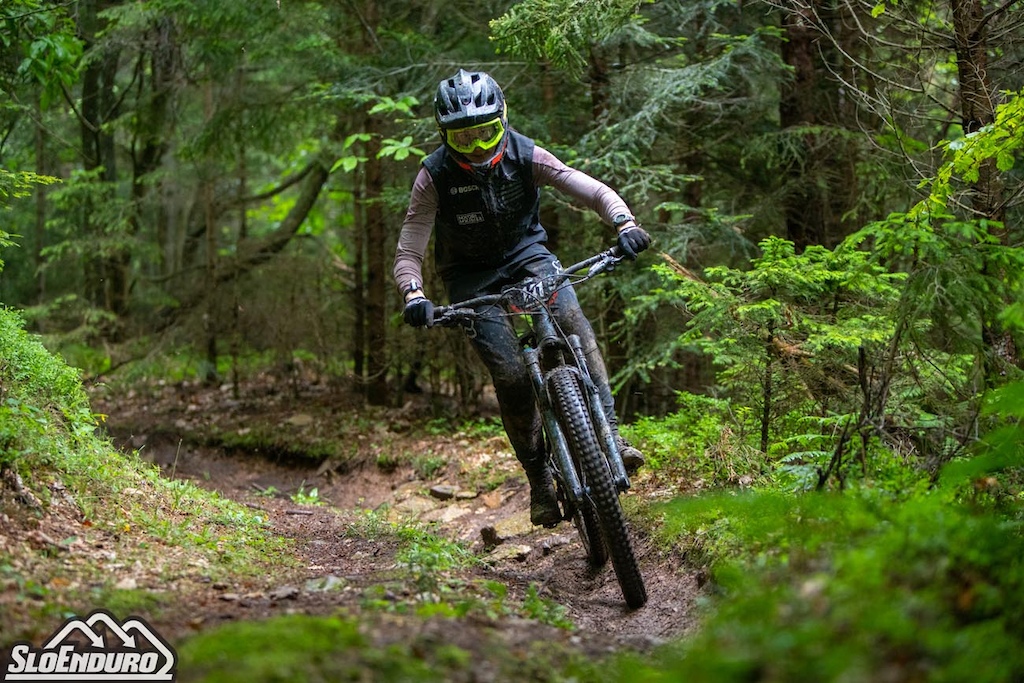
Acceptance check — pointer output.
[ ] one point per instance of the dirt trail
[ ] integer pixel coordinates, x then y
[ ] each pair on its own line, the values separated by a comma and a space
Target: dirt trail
456, 495
553, 559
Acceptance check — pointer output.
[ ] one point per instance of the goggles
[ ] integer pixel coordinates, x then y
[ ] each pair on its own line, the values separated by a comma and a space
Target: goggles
483, 135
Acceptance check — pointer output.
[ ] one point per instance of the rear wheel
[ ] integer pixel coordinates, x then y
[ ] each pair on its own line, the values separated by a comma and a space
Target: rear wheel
571, 409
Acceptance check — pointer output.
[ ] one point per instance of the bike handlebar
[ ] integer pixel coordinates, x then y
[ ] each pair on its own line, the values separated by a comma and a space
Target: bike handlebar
463, 311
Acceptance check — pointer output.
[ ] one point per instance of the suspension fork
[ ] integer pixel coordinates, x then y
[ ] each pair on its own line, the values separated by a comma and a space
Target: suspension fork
559, 446
604, 428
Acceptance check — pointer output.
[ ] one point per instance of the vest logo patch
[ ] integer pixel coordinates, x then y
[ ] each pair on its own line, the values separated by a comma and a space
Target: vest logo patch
463, 189
469, 218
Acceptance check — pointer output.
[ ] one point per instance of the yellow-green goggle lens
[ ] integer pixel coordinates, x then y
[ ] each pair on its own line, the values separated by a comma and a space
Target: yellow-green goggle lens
483, 136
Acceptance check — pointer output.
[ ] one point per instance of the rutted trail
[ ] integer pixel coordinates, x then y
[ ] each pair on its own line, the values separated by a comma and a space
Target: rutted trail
449, 487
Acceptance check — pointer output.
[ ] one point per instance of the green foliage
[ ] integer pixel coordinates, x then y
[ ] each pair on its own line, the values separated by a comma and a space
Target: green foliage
370, 524
1002, 140
35, 389
853, 587
40, 48
430, 565
545, 611
1001, 448
304, 648
426, 466
52, 61
824, 348
305, 496
399, 149
48, 434
828, 588
706, 442
429, 557
85, 193
959, 272
560, 31
786, 334
15, 186
5, 241
962, 272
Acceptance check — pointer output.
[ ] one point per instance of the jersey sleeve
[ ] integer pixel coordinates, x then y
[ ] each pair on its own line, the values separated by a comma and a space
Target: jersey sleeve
592, 193
415, 234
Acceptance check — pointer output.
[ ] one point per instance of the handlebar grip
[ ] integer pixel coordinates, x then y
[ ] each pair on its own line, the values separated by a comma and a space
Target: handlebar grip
449, 316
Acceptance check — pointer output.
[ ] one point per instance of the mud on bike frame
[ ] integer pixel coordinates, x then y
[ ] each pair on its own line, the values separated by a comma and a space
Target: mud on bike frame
582, 446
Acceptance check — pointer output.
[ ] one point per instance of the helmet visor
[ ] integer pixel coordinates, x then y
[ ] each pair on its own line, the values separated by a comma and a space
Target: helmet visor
481, 136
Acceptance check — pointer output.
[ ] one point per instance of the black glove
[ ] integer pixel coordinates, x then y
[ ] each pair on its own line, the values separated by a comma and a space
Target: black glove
419, 312
633, 240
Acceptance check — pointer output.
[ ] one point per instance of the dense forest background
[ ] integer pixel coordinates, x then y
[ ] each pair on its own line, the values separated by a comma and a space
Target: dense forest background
231, 179
834, 301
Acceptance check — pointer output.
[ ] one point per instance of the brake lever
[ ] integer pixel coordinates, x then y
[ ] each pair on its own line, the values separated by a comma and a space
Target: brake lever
611, 259
451, 317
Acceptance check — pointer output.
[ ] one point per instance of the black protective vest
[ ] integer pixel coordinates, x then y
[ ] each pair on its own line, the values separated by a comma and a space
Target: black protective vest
484, 224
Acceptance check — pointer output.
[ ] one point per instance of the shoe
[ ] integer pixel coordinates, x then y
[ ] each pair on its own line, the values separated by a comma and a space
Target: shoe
632, 458
544, 510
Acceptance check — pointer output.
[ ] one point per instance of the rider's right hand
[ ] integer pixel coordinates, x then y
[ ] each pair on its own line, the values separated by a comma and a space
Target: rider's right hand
419, 312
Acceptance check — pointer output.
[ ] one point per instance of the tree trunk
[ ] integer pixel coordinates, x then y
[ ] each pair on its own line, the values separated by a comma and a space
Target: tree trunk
599, 82
89, 129
767, 391
115, 264
376, 274
106, 275
149, 144
976, 106
40, 218
209, 316
821, 184
796, 109
977, 109
358, 285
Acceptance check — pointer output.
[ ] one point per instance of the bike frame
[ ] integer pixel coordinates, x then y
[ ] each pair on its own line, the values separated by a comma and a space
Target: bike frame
585, 460
546, 347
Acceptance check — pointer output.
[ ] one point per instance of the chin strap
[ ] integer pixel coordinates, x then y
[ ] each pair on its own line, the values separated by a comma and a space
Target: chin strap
485, 166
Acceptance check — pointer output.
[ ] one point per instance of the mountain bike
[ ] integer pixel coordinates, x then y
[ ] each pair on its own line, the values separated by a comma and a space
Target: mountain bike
583, 455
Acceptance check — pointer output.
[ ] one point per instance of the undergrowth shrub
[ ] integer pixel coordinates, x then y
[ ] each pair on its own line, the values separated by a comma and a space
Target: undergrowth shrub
27, 368
48, 434
36, 390
705, 441
863, 585
857, 588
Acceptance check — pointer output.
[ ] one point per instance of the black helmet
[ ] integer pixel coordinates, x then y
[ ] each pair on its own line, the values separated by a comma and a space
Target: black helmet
467, 99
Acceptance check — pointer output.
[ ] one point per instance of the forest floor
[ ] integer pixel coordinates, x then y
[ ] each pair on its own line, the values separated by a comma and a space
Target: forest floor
466, 486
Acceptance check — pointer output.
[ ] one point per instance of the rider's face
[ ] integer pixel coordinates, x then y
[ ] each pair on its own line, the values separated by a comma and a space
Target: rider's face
479, 156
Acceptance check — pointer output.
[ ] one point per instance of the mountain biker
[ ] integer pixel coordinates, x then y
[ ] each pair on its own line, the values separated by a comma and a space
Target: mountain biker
479, 194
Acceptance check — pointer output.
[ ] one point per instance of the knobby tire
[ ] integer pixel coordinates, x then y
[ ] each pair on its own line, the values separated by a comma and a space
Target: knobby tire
571, 409
584, 518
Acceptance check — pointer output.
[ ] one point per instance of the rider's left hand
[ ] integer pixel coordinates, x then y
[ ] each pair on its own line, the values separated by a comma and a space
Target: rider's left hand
633, 240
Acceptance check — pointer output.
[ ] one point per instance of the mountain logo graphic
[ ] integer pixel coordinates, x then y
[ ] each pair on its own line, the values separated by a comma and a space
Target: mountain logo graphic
96, 648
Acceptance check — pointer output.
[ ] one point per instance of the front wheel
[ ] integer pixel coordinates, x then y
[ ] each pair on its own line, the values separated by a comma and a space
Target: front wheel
573, 415
584, 518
